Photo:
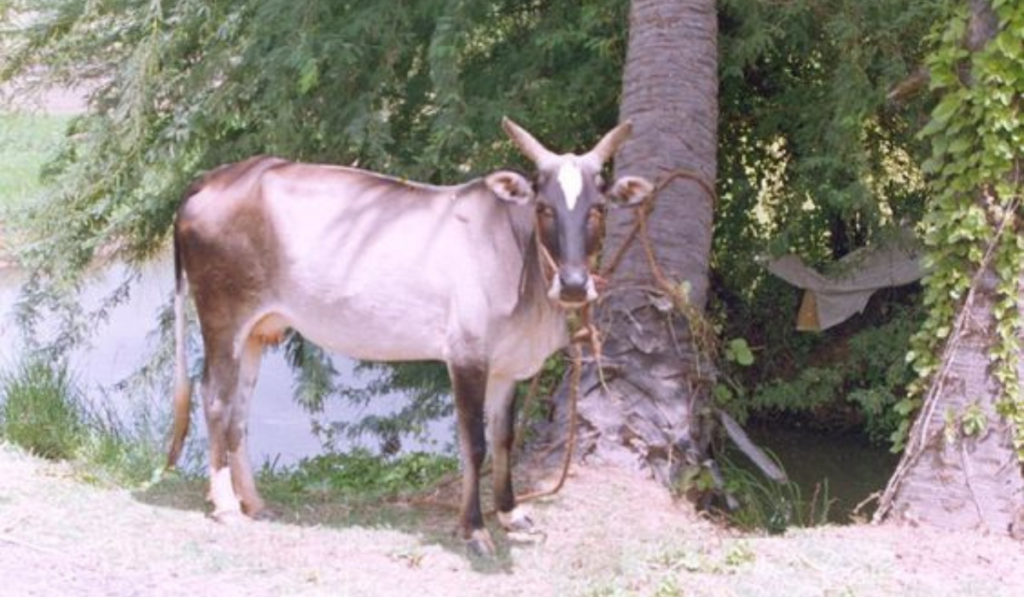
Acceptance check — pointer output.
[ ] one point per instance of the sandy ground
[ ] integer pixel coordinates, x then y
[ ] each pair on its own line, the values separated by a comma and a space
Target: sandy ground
608, 533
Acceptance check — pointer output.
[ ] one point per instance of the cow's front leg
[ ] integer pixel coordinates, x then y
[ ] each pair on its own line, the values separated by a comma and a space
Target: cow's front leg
501, 420
469, 386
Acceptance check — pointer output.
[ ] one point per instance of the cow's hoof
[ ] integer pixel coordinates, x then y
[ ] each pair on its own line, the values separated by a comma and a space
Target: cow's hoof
230, 517
265, 514
519, 527
480, 544
516, 521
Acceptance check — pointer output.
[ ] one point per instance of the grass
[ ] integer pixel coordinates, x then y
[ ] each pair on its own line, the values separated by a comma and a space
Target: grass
43, 410
770, 506
356, 475
40, 410
27, 142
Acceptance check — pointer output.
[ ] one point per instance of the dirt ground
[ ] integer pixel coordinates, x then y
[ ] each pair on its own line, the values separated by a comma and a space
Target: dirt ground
608, 533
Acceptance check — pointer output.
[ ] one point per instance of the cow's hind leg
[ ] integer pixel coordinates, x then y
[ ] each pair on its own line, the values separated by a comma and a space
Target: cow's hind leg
501, 421
469, 386
242, 477
220, 381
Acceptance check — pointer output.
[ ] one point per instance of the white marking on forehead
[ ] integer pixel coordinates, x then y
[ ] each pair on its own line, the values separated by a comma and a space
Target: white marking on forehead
571, 180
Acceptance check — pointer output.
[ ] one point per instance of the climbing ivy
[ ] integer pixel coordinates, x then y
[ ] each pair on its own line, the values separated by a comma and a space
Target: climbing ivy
974, 216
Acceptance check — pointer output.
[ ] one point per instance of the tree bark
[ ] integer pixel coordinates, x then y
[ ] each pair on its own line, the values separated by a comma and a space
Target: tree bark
649, 415
947, 478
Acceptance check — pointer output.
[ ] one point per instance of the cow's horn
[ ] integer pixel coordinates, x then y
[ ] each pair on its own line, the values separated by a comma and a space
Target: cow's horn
526, 142
609, 144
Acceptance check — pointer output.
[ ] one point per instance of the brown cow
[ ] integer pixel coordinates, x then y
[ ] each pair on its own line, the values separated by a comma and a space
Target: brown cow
477, 275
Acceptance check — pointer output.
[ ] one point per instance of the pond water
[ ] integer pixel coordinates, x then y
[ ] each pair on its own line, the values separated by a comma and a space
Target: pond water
280, 429
852, 467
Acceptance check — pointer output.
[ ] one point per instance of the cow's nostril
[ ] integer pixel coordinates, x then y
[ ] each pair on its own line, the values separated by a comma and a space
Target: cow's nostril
573, 280
575, 285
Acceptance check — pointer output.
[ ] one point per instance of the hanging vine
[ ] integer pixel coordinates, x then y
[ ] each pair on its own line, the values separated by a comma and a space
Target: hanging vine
974, 217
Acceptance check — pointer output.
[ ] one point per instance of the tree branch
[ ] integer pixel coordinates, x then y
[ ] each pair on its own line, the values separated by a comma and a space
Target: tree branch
901, 93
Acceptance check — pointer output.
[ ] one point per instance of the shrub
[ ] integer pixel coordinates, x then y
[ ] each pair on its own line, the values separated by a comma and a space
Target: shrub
40, 409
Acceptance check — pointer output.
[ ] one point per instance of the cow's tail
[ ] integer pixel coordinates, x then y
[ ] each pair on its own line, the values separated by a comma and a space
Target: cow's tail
182, 385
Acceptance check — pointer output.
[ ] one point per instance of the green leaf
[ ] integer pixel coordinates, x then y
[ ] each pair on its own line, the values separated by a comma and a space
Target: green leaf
947, 107
959, 145
309, 76
722, 393
741, 352
974, 421
905, 407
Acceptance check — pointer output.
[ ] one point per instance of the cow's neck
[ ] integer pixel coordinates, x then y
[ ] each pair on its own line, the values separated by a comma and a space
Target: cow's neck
535, 312
536, 327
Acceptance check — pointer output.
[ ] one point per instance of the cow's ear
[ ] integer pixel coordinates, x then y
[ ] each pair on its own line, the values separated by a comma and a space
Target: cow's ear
630, 191
510, 186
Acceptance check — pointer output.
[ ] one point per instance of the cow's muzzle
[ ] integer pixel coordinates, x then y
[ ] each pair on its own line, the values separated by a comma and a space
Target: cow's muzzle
573, 286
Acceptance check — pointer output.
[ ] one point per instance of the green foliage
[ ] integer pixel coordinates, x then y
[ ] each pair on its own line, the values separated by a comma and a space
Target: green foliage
974, 421
737, 351
975, 214
739, 554
861, 378
123, 449
115, 457
416, 90
813, 160
358, 474
813, 387
426, 386
702, 558
668, 587
40, 409
27, 142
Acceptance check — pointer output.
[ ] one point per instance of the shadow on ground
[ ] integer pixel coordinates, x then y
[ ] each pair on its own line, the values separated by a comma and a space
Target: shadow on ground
429, 516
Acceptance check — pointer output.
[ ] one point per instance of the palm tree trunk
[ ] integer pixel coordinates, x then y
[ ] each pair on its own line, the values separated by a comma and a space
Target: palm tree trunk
962, 481
648, 415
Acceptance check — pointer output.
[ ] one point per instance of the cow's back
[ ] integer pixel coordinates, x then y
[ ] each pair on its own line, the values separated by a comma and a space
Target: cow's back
363, 264
383, 269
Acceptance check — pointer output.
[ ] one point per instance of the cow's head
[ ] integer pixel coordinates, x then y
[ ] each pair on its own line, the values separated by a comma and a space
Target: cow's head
571, 198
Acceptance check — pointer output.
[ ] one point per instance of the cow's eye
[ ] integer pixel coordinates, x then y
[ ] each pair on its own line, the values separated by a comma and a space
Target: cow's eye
545, 211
